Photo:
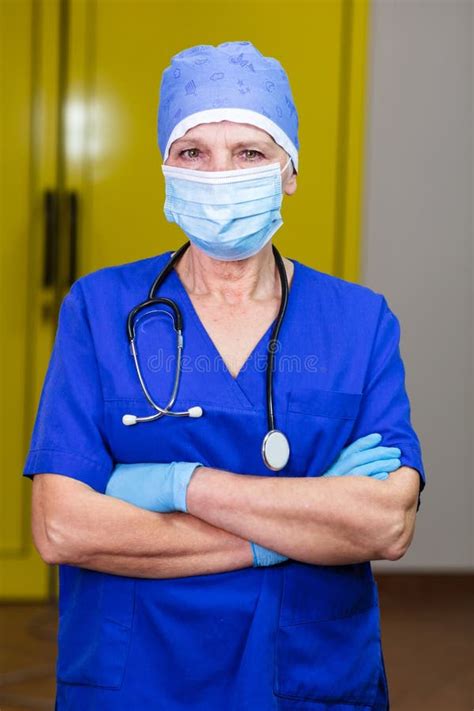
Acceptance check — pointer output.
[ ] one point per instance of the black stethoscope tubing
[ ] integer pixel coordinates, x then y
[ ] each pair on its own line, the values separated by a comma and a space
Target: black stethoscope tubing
153, 300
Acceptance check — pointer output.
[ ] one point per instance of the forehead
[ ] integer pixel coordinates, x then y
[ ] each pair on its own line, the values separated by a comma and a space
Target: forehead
230, 130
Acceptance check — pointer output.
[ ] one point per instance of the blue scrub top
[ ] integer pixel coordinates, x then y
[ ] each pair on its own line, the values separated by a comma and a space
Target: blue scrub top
291, 636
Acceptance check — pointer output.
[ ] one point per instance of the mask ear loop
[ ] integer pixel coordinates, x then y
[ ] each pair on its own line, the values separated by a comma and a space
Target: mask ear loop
286, 165
283, 169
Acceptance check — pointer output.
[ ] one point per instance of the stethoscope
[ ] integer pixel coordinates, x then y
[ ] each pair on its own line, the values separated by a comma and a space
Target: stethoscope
275, 445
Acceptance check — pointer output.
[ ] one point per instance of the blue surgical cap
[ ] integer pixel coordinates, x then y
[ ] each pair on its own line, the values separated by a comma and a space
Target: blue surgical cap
233, 82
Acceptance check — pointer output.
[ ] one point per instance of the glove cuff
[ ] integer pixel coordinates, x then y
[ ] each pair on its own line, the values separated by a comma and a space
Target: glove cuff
182, 473
264, 556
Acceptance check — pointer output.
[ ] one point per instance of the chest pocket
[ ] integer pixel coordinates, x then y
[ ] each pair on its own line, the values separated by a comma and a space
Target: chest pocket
328, 648
318, 424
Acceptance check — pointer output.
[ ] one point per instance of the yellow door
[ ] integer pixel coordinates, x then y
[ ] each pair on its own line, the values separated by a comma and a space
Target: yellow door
28, 146
95, 90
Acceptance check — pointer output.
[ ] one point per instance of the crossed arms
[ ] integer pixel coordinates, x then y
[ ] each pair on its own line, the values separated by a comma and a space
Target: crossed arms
324, 521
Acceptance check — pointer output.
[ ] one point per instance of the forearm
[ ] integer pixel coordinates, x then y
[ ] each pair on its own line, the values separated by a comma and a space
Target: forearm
99, 532
319, 520
183, 545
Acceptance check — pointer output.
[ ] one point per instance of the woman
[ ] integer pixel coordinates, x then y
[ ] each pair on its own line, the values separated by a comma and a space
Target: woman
200, 566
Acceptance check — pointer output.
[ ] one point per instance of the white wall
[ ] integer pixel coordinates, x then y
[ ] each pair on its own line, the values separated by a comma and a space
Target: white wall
418, 248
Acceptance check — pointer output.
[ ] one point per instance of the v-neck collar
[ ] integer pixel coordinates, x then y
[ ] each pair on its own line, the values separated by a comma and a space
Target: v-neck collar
234, 382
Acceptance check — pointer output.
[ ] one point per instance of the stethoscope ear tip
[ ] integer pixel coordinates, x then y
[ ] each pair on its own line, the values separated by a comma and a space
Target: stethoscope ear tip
195, 411
129, 420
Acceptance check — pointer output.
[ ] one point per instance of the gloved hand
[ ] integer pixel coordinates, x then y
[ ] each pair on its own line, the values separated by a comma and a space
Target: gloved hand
363, 458
153, 486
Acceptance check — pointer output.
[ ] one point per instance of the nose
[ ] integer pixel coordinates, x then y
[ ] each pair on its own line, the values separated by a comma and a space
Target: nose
221, 160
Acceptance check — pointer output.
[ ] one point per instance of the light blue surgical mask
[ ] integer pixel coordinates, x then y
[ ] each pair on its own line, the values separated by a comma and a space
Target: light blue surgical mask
229, 214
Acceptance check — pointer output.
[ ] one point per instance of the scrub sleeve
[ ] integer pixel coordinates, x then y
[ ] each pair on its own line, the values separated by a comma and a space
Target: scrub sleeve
68, 436
385, 406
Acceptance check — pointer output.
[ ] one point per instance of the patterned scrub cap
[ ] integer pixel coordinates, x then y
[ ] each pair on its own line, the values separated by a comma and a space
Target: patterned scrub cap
233, 82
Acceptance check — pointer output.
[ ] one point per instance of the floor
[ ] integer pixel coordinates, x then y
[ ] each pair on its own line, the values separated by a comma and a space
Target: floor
427, 636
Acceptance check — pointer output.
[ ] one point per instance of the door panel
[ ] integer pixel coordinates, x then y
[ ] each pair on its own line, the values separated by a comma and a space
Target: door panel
28, 145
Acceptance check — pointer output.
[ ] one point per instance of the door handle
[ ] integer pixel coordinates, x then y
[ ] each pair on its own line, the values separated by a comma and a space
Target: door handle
73, 207
51, 237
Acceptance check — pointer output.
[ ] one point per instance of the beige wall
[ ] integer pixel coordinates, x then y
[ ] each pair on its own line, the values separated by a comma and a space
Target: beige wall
418, 248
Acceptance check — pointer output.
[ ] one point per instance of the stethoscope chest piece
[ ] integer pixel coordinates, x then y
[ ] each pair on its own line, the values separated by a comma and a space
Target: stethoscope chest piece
275, 450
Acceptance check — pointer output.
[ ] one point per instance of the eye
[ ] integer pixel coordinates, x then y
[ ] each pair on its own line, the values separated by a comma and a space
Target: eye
188, 150
256, 153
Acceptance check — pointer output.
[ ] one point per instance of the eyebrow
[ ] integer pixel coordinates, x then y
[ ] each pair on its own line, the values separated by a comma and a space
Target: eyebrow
256, 142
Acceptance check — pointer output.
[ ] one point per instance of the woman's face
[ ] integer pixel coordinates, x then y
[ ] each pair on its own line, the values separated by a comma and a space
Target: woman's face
227, 145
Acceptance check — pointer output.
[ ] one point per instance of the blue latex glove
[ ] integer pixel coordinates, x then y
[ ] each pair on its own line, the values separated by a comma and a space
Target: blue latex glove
153, 486
363, 458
